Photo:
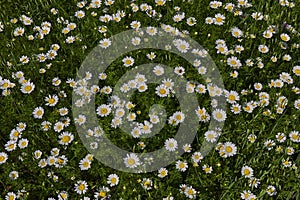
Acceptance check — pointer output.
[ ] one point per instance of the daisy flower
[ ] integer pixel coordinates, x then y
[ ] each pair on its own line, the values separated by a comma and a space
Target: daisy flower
136, 41
219, 115
197, 157
146, 183
10, 145
131, 160
70, 39
294, 136
181, 166
23, 143
211, 136
229, 149
154, 119
296, 70
297, 104
58, 126
219, 19
46, 125
140, 78
128, 61
102, 193
80, 14
51, 100
80, 120
263, 49
171, 144
190, 192
27, 87
10, 196
179, 70
191, 21
236, 32
131, 117
254, 182
280, 137
285, 37
84, 164
142, 87
135, 24
151, 31
14, 175
160, 2
145, 127
42, 163
37, 154
234, 62
81, 187
113, 180
15, 134
38, 112
103, 110
162, 91
105, 43
232, 97
3, 157
162, 172
208, 169
19, 31
66, 138
63, 111
247, 171
182, 45
271, 190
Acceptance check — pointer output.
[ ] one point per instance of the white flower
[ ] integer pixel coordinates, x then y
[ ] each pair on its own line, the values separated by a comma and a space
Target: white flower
207, 169
182, 45
151, 30
131, 160
236, 32
263, 49
80, 120
211, 136
23, 143
81, 187
162, 172
27, 87
85, 164
229, 149
197, 157
181, 166
162, 91
247, 171
38, 112
219, 19
219, 115
3, 157
179, 70
103, 110
171, 144
80, 14
10, 145
128, 61
105, 43
113, 180
66, 138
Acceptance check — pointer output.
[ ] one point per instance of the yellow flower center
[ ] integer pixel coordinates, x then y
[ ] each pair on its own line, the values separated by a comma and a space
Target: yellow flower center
131, 161
66, 139
2, 158
228, 149
81, 187
27, 88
